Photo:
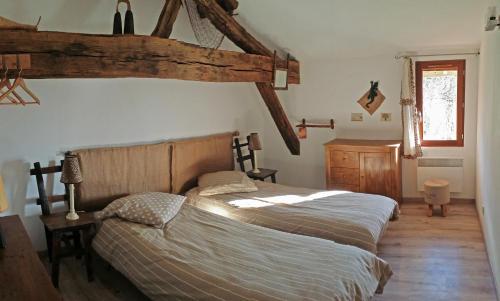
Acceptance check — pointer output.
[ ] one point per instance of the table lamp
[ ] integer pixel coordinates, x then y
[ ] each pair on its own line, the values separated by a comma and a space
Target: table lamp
254, 145
4, 204
71, 175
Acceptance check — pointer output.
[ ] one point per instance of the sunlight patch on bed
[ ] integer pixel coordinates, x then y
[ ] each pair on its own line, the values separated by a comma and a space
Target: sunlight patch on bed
218, 210
250, 203
282, 199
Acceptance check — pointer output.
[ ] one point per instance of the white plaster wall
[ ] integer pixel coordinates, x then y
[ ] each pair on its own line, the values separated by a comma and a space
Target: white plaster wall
488, 162
330, 89
81, 113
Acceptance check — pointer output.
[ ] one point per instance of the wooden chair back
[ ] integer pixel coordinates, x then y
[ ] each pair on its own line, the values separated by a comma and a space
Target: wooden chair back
240, 158
44, 200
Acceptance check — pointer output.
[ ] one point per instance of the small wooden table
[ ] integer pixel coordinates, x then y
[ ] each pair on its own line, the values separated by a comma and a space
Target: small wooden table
263, 174
22, 274
57, 225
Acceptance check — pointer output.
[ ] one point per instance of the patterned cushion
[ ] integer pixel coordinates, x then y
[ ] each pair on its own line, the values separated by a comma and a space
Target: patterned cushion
222, 182
151, 208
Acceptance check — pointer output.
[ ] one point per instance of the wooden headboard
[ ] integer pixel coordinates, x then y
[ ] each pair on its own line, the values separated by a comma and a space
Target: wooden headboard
194, 157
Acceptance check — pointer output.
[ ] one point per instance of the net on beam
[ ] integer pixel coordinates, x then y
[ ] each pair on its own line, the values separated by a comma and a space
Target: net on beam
205, 32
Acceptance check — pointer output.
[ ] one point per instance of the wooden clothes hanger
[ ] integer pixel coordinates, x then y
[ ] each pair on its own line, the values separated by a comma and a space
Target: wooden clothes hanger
18, 82
4, 84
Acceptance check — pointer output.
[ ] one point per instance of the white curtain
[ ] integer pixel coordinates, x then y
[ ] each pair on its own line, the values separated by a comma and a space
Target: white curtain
411, 136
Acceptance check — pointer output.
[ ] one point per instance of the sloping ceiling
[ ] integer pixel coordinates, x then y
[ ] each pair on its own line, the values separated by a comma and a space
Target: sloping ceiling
360, 28
308, 29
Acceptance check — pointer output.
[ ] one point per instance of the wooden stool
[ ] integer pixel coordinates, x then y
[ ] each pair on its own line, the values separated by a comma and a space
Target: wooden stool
437, 192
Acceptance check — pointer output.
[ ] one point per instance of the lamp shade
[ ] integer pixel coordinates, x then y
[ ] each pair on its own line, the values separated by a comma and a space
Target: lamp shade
4, 204
254, 142
71, 170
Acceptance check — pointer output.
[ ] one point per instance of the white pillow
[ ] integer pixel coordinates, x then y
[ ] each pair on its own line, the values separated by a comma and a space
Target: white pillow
222, 182
151, 208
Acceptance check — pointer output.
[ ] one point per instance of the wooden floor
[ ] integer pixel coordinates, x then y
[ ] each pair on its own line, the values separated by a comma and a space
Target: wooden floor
433, 259
436, 258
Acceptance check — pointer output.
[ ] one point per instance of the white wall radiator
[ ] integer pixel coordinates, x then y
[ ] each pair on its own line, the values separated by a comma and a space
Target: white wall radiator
451, 169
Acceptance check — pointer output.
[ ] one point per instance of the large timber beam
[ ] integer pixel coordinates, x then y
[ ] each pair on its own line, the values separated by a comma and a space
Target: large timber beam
167, 18
72, 55
236, 33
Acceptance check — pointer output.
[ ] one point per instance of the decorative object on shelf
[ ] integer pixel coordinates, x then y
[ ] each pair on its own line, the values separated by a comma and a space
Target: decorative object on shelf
11, 25
8, 91
4, 204
304, 125
129, 20
280, 75
205, 32
71, 175
492, 24
254, 145
372, 99
491, 19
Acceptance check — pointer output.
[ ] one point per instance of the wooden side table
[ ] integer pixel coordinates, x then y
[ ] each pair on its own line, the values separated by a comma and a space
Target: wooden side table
263, 175
57, 226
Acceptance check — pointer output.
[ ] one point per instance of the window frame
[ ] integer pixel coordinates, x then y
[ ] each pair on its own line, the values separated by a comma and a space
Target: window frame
458, 65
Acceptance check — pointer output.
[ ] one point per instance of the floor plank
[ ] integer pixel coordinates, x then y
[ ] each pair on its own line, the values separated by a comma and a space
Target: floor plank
437, 258
433, 259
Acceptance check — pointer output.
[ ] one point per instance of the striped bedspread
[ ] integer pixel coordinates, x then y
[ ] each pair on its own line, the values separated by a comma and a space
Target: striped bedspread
203, 256
348, 218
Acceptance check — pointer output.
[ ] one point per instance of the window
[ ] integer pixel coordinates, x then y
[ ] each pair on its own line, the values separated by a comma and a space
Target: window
441, 100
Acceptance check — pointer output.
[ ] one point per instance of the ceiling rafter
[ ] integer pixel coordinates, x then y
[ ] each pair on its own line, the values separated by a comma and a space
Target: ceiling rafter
239, 36
167, 19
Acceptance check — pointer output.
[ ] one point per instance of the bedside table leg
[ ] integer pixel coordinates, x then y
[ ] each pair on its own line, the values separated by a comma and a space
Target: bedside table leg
56, 245
48, 239
273, 178
87, 239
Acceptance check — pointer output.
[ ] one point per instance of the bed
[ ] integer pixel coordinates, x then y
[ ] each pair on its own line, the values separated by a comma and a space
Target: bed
348, 218
204, 256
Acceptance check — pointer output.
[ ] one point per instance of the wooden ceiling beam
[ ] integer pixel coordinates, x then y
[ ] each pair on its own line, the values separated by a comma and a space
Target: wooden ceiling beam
280, 118
73, 55
236, 33
167, 19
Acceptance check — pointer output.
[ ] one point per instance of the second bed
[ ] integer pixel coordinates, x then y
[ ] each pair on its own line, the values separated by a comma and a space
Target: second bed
348, 218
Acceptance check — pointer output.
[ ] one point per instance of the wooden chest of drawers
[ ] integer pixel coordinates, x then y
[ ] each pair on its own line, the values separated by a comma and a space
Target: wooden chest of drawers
369, 166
